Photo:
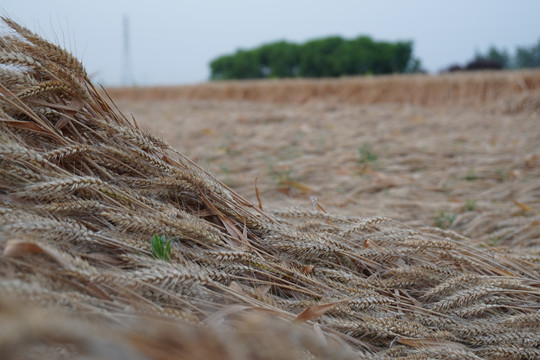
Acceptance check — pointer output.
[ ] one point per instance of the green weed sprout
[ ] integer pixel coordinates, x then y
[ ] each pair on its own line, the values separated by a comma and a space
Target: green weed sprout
470, 176
470, 205
444, 221
160, 249
366, 154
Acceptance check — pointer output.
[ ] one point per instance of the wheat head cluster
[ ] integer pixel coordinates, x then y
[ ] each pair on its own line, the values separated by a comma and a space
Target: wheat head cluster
83, 190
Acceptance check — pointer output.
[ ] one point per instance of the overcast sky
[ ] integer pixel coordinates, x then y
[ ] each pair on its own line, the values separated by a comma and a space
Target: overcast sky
172, 42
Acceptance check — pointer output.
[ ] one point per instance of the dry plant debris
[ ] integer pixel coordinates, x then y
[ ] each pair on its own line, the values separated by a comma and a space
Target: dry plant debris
83, 190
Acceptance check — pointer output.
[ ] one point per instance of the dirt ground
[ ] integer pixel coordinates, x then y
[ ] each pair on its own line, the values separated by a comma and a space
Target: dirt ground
472, 171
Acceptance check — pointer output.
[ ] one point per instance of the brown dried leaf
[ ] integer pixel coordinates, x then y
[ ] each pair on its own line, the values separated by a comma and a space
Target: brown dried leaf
26, 125
313, 312
229, 225
307, 269
523, 206
257, 194
16, 248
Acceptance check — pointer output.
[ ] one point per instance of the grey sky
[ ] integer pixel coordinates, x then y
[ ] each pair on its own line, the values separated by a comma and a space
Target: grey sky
172, 42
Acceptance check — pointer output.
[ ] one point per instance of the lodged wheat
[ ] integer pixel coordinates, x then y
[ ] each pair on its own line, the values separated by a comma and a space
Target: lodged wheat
83, 190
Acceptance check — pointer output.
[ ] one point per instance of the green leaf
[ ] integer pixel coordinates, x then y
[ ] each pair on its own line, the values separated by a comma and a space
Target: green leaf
160, 250
168, 250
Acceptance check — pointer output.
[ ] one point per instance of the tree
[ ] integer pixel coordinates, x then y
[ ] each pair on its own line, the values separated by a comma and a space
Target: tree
321, 58
327, 57
525, 57
242, 65
414, 66
528, 57
279, 59
493, 54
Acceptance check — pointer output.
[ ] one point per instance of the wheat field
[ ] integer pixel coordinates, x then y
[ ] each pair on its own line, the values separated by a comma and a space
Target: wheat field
339, 252
471, 168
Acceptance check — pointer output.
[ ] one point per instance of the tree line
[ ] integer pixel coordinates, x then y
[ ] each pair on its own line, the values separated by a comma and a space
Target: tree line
327, 57
494, 58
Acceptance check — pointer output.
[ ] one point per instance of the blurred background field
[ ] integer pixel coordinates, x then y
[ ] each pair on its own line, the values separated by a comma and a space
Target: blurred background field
458, 151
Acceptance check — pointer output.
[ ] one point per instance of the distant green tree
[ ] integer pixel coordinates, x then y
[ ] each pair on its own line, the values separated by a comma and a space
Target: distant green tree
528, 57
279, 59
502, 57
321, 58
328, 57
524, 57
242, 65
414, 66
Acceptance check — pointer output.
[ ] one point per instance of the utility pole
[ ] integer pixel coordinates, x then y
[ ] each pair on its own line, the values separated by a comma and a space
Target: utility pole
127, 74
